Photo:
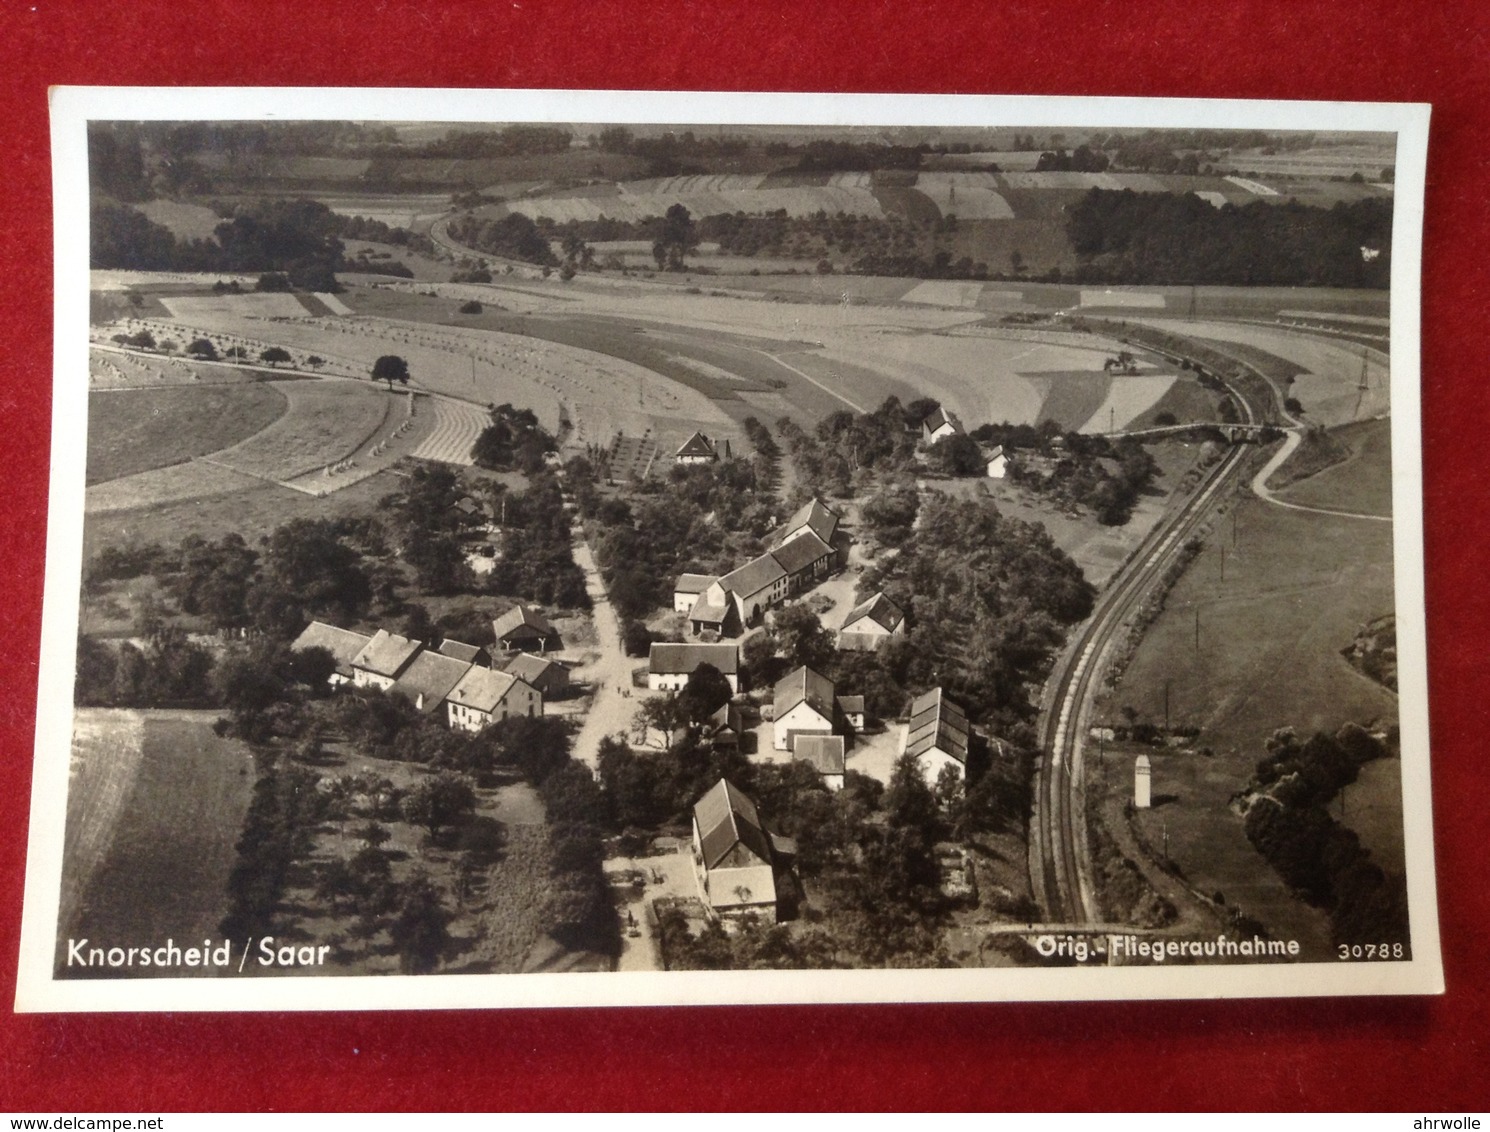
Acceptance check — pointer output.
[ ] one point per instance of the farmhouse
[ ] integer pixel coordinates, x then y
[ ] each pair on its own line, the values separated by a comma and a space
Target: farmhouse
851, 708
725, 726
524, 629
548, 676
755, 587
813, 517
996, 462
483, 697
342, 644
870, 624
715, 611
383, 660
429, 679
670, 665
824, 753
803, 702
733, 859
471, 654
699, 449
940, 424
688, 588
937, 735
806, 559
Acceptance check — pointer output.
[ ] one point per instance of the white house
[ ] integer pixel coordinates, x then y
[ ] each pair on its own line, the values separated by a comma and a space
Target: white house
429, 679
699, 449
939, 424
851, 708
996, 462
688, 588
383, 660
343, 645
937, 735
806, 559
733, 858
870, 624
803, 702
755, 587
484, 696
814, 517
670, 665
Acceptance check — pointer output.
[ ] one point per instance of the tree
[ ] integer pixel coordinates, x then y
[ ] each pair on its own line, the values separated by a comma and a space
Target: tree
439, 801
391, 368
677, 240
705, 693
421, 929
957, 455
202, 348
471, 306
801, 638
274, 355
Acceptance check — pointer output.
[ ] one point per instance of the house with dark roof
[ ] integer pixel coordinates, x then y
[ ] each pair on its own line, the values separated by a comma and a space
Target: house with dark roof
755, 587
937, 735
803, 705
996, 462
825, 754
725, 726
383, 660
939, 424
699, 449
483, 696
428, 679
670, 665
522, 628
343, 645
548, 676
715, 611
688, 588
734, 859
471, 654
814, 517
807, 560
870, 624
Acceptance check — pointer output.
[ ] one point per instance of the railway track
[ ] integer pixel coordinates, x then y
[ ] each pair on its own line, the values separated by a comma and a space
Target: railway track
1060, 857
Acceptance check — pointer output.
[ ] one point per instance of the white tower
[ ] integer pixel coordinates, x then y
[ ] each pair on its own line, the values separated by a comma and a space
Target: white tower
1142, 798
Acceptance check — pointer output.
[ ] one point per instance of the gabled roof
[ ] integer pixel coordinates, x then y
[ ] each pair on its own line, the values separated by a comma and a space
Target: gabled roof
521, 616
801, 552
431, 676
879, 609
942, 417
460, 651
754, 576
851, 705
693, 583
712, 613
386, 654
816, 515
726, 720
674, 659
482, 688
823, 752
726, 817
527, 667
696, 445
804, 685
937, 722
342, 644
992, 454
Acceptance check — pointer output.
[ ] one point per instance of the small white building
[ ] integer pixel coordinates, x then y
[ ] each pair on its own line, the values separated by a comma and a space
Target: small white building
851, 708
825, 754
699, 449
803, 703
688, 588
996, 462
939, 424
1143, 797
669, 665
483, 697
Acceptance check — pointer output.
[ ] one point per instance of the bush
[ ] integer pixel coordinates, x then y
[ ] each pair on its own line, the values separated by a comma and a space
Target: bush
470, 307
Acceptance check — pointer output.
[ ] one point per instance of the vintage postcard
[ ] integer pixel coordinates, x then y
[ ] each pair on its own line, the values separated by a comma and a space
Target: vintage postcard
593, 548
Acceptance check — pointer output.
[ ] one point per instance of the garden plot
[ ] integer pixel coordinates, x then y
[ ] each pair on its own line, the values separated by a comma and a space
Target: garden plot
968, 196
270, 304
1330, 388
456, 425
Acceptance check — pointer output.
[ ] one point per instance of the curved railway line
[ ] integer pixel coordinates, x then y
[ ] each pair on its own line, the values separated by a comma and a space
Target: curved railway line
1060, 857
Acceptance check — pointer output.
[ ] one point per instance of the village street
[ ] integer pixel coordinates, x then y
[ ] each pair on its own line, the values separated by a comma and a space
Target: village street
609, 675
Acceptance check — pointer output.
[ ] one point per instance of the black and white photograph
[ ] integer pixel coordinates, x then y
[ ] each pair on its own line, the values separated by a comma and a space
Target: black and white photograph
538, 548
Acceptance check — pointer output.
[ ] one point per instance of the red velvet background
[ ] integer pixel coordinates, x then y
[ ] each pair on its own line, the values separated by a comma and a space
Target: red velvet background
1311, 1054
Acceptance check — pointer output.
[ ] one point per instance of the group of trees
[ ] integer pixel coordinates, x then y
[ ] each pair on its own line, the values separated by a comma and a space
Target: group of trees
844, 444
1171, 238
537, 559
513, 236
1289, 822
513, 440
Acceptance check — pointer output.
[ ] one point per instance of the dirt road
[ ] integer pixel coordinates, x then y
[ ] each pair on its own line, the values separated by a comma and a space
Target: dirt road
613, 705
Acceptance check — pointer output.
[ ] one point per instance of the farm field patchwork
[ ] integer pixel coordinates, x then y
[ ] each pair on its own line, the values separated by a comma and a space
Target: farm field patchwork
194, 308
164, 871
138, 429
326, 422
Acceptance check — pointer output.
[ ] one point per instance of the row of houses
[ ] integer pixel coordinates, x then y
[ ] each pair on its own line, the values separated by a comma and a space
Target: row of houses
801, 555
463, 685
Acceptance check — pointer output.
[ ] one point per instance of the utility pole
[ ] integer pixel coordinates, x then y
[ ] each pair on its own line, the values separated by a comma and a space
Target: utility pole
1197, 628
1223, 562
1166, 707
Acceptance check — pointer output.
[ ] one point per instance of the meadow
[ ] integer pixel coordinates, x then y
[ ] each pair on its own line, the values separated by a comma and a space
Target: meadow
135, 430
